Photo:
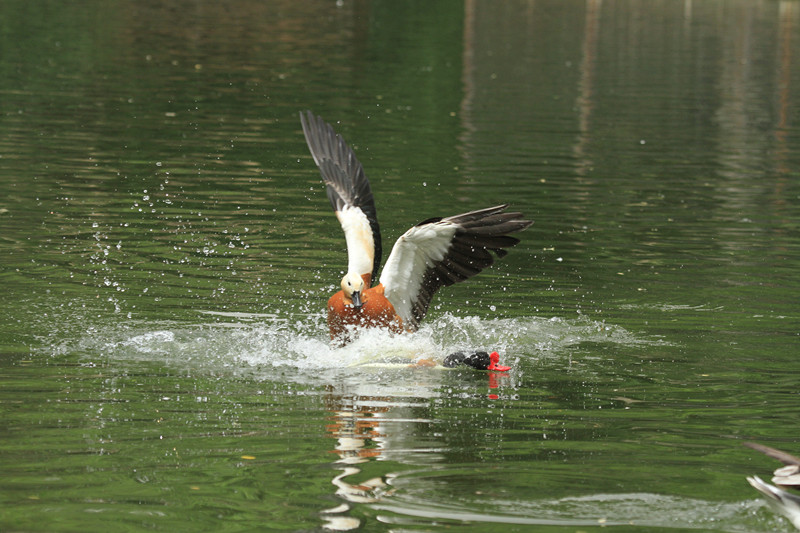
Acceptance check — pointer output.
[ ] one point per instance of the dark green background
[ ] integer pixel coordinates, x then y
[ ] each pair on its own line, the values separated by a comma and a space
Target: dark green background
166, 251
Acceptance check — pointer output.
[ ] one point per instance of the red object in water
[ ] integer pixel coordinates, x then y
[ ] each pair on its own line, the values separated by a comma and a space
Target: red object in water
495, 358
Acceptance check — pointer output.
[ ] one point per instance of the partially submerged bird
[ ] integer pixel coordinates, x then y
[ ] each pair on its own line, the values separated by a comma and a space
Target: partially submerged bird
435, 253
786, 477
479, 360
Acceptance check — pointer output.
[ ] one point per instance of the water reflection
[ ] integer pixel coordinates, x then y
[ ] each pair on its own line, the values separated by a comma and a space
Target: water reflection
586, 100
786, 29
402, 461
356, 426
373, 421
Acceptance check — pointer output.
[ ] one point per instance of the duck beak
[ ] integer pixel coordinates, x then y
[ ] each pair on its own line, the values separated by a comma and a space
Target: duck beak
357, 303
495, 363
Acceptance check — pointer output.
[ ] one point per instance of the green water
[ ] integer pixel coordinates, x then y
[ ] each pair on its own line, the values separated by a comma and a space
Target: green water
166, 251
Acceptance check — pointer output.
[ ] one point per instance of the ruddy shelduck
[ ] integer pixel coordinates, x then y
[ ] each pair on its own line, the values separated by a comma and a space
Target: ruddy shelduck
435, 253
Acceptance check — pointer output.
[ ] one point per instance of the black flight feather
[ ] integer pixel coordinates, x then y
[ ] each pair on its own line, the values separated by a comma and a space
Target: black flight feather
478, 234
342, 174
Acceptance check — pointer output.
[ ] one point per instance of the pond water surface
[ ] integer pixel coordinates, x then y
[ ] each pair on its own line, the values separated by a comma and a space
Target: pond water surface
167, 249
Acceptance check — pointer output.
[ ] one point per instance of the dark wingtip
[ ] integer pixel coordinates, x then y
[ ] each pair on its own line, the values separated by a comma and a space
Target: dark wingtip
342, 173
478, 233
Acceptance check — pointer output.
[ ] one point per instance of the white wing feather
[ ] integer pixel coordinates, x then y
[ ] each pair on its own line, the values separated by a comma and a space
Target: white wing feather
358, 234
781, 501
413, 253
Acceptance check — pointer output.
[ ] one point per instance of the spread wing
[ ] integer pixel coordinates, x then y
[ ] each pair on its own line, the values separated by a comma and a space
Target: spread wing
442, 251
348, 191
785, 477
785, 458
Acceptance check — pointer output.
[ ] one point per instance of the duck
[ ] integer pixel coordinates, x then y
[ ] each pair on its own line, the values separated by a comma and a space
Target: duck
479, 360
435, 253
786, 477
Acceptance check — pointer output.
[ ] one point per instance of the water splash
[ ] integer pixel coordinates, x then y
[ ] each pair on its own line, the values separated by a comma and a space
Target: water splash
264, 342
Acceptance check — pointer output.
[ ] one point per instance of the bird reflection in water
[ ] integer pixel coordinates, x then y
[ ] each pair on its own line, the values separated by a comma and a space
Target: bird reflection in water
355, 424
368, 425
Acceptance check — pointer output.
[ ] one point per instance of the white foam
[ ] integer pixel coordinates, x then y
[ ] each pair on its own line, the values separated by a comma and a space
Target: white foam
301, 342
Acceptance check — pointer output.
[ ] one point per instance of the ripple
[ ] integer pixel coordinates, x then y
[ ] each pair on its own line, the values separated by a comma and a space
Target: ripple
626, 509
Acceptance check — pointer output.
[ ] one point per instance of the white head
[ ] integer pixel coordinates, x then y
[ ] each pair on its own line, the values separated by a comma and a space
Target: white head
353, 287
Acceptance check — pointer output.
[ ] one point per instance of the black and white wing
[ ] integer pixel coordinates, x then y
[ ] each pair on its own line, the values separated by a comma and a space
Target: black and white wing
348, 191
443, 251
786, 477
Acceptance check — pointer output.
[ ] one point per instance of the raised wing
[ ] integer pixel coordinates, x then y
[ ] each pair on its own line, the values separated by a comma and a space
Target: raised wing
442, 251
348, 191
786, 477
785, 458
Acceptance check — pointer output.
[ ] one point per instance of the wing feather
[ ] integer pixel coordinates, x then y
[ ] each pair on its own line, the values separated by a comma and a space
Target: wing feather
442, 251
348, 191
785, 458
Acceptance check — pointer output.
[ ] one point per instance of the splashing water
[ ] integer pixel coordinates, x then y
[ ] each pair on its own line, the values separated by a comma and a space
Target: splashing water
257, 341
